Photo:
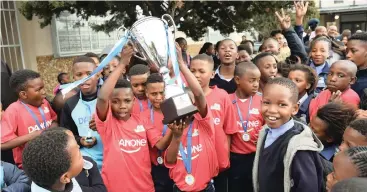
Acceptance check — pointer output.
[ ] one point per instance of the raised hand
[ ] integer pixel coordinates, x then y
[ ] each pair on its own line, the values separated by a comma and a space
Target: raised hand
336, 97
284, 20
301, 8
177, 127
126, 54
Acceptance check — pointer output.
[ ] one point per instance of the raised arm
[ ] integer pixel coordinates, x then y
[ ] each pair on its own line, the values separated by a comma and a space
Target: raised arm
108, 86
193, 84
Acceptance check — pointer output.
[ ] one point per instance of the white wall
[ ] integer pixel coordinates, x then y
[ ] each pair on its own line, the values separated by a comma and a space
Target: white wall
331, 4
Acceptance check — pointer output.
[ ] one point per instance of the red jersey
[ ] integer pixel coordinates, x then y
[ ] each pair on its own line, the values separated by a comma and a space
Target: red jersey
139, 106
126, 161
224, 120
254, 123
348, 97
204, 158
18, 121
158, 126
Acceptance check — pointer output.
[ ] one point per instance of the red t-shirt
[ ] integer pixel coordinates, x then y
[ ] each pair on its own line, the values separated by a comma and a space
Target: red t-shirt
139, 106
158, 126
18, 121
348, 97
254, 124
224, 123
204, 158
126, 160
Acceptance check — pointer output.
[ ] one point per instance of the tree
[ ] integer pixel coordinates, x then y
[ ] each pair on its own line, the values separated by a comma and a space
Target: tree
192, 17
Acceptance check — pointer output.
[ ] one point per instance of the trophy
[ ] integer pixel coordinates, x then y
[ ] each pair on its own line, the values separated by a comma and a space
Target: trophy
152, 38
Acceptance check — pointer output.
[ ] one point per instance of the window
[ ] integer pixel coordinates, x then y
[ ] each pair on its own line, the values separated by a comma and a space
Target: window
74, 36
11, 47
338, 1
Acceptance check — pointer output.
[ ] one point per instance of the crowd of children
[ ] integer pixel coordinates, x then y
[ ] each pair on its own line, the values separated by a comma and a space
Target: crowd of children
273, 121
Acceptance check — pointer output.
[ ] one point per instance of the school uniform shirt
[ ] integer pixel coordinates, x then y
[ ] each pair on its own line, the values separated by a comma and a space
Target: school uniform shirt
72, 187
75, 116
126, 163
322, 72
228, 85
303, 112
204, 161
17, 121
224, 123
158, 126
348, 96
139, 106
254, 124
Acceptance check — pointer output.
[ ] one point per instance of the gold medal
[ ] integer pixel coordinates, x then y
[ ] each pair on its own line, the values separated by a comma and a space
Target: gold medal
246, 137
160, 160
189, 179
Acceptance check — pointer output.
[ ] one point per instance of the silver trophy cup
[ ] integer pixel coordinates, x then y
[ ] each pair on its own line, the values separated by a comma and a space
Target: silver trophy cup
149, 36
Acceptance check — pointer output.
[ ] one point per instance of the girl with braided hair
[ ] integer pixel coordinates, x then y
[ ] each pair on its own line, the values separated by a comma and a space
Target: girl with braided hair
347, 164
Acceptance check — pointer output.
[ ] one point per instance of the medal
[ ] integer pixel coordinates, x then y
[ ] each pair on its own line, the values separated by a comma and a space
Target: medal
246, 137
160, 160
189, 179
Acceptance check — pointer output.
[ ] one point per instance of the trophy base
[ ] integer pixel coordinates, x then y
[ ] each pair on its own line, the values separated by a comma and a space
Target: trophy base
177, 107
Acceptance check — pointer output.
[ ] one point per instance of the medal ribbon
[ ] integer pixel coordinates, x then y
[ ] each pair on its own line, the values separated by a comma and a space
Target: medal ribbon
89, 111
34, 116
240, 114
187, 159
164, 128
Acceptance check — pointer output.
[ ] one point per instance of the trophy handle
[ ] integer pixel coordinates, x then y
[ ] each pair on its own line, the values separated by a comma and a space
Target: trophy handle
119, 29
173, 23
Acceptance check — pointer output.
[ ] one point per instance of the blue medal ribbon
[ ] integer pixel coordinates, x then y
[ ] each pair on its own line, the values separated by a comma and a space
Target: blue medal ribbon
141, 105
34, 116
240, 114
164, 128
187, 158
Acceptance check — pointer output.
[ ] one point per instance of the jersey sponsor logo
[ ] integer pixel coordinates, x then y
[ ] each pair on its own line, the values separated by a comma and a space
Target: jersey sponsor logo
255, 123
216, 121
254, 111
139, 128
46, 110
84, 120
132, 145
195, 133
195, 151
36, 128
215, 106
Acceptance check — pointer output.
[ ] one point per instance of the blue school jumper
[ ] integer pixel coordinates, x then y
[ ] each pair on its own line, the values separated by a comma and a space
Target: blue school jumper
361, 82
75, 116
322, 75
303, 112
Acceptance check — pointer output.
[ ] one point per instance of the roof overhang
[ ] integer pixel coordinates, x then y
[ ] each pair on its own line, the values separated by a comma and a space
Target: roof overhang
343, 9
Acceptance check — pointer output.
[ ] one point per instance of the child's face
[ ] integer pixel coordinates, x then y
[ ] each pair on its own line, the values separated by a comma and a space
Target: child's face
345, 40
343, 169
243, 56
319, 127
210, 50
352, 138
320, 52
357, 52
280, 38
249, 81
277, 106
34, 93
201, 70
65, 79
268, 68
271, 46
82, 70
339, 77
155, 94
300, 79
183, 45
227, 52
122, 100
138, 85
77, 161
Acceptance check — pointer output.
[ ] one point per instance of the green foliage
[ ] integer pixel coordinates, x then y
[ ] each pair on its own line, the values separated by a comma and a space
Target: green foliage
225, 16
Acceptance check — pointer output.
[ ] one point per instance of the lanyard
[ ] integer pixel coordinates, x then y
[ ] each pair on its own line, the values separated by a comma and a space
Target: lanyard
34, 116
141, 105
187, 159
164, 128
240, 114
89, 111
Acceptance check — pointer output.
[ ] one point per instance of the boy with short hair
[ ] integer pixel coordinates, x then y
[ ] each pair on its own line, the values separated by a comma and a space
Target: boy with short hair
267, 64
63, 162
25, 119
287, 156
138, 75
191, 155
62, 78
78, 111
246, 103
223, 76
223, 115
155, 92
341, 76
357, 53
126, 137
